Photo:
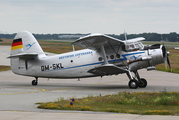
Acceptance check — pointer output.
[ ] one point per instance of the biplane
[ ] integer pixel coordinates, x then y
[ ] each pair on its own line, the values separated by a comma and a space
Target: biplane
103, 56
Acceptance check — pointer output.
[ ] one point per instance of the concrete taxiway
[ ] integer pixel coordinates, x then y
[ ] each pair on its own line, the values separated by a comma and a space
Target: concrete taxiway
18, 96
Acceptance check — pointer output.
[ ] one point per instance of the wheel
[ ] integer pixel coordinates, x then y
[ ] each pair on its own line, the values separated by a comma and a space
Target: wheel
34, 82
142, 83
133, 84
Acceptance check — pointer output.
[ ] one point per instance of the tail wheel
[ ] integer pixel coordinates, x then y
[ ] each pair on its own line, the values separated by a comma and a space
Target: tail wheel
34, 82
142, 83
133, 84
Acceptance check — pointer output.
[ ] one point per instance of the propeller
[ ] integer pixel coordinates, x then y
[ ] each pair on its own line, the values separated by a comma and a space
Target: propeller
165, 56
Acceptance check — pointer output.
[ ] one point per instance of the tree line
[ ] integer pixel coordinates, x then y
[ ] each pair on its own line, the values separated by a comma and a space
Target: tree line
170, 37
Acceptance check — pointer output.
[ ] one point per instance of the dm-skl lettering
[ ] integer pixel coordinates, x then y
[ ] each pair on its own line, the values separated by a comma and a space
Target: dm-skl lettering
55, 66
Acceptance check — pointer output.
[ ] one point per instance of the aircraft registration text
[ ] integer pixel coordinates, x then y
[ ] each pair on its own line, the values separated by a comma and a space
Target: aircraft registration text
51, 67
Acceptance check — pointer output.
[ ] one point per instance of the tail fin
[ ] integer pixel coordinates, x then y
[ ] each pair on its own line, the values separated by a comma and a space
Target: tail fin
23, 50
24, 42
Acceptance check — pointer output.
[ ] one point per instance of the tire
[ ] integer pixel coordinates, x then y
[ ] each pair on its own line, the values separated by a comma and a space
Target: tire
34, 82
133, 84
142, 83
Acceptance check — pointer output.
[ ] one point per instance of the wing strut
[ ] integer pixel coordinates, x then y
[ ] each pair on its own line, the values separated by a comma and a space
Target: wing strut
104, 54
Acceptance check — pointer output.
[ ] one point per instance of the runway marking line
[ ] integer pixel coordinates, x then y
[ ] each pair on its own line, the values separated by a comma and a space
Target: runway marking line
41, 90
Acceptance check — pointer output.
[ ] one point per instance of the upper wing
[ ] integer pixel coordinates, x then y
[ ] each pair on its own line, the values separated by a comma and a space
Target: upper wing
134, 40
94, 41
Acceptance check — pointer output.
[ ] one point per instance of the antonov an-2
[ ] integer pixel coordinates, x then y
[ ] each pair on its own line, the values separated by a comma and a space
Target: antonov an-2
103, 56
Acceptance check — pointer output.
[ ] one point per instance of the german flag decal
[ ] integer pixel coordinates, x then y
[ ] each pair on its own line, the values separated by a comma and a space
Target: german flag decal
17, 44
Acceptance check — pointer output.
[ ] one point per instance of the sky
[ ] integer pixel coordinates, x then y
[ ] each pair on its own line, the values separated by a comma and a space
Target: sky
89, 16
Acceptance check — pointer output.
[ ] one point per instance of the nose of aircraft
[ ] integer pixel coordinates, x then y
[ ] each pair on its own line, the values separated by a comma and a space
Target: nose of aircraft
165, 56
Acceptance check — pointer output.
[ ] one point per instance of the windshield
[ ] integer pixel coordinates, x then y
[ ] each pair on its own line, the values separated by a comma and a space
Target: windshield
134, 46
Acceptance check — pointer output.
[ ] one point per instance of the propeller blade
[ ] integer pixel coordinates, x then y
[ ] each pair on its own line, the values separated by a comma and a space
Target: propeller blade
165, 60
164, 55
164, 51
169, 63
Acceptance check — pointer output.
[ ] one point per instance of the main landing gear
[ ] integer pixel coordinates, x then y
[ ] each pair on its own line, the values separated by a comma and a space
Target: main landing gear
133, 83
35, 82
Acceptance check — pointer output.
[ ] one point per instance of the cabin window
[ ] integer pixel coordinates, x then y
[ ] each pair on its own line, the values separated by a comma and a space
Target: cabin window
117, 56
112, 56
100, 58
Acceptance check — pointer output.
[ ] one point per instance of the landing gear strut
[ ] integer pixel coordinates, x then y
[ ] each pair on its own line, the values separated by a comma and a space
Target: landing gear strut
133, 83
35, 82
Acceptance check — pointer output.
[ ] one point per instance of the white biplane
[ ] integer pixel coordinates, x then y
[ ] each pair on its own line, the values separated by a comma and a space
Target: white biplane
103, 56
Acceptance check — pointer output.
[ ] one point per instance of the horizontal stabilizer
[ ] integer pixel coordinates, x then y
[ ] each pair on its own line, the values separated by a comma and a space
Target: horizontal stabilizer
107, 69
24, 55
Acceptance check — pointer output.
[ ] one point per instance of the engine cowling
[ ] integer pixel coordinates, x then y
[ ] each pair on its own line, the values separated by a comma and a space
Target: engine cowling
158, 54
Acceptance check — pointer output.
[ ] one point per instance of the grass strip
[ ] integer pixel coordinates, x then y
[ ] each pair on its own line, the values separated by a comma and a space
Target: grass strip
145, 103
4, 68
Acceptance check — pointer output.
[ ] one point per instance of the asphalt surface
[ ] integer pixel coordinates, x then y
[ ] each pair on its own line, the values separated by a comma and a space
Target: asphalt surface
18, 96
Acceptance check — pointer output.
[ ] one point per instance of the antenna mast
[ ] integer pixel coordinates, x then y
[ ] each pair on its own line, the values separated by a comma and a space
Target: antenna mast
125, 35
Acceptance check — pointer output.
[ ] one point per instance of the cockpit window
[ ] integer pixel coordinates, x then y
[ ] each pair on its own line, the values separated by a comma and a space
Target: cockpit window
133, 46
141, 45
